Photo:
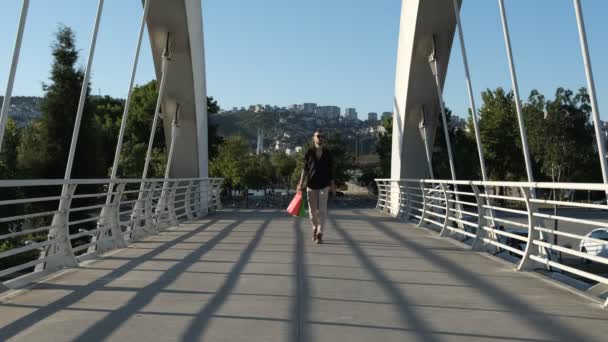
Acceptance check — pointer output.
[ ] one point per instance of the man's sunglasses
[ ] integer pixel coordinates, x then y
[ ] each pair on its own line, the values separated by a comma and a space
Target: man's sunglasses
319, 136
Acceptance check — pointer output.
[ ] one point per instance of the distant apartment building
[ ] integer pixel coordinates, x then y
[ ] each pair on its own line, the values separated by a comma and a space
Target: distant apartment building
387, 115
309, 108
350, 113
328, 112
372, 117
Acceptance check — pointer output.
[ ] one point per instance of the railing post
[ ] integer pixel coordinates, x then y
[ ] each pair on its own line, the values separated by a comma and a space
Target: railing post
218, 194
110, 222
446, 221
150, 226
171, 205
379, 194
481, 220
408, 203
424, 206
117, 234
527, 263
60, 254
389, 197
146, 213
188, 202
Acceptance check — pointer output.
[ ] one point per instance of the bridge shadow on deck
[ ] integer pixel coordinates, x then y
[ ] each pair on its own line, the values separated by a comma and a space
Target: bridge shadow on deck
256, 276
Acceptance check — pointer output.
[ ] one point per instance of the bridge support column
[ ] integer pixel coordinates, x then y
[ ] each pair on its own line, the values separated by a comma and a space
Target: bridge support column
415, 85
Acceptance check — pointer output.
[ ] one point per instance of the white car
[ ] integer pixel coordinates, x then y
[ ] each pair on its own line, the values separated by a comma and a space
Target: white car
595, 243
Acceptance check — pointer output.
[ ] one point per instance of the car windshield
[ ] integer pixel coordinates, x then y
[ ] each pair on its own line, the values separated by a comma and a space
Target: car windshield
603, 235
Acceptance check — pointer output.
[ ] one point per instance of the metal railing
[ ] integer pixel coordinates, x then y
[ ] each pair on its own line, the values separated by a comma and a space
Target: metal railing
505, 218
46, 225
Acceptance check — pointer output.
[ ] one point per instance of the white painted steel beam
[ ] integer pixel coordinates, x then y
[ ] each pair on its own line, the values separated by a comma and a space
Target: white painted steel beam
415, 85
185, 84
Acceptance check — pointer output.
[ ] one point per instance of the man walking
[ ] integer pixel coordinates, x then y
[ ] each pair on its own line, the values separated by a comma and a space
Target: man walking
318, 179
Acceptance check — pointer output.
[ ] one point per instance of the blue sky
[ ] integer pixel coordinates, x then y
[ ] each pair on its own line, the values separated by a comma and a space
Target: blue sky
339, 52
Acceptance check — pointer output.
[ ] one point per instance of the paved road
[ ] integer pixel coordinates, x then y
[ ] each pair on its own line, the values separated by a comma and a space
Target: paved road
256, 276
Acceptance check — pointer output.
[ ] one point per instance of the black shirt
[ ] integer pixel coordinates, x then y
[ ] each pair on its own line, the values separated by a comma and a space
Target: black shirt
318, 171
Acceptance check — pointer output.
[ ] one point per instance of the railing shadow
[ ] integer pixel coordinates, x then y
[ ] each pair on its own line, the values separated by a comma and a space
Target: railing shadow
408, 314
527, 314
12, 329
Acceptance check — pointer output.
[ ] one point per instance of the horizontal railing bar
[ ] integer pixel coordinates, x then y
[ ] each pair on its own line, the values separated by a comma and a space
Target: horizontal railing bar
503, 246
56, 182
434, 222
85, 246
21, 267
471, 204
572, 270
507, 198
91, 232
570, 235
464, 212
507, 210
531, 185
72, 223
461, 231
474, 225
23, 249
26, 216
97, 195
471, 194
571, 252
571, 204
75, 209
522, 225
32, 200
504, 233
25, 232
571, 219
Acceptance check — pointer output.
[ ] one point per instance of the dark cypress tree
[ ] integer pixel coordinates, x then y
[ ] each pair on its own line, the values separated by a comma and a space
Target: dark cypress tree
44, 149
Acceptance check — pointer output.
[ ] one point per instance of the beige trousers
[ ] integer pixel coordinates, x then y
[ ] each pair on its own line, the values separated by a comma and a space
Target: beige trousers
317, 207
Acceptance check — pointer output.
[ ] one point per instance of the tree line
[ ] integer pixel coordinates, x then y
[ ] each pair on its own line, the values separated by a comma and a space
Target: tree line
560, 137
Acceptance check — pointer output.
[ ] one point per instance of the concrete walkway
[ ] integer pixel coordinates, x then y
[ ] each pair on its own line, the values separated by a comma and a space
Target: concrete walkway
257, 276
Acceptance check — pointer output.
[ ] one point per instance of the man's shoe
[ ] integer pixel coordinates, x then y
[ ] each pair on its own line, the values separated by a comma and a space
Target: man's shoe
319, 238
314, 234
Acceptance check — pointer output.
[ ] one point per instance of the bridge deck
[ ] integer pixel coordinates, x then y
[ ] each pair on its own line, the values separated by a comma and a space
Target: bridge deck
257, 276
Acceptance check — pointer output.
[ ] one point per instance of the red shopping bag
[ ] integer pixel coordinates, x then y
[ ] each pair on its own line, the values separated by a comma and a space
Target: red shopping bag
294, 207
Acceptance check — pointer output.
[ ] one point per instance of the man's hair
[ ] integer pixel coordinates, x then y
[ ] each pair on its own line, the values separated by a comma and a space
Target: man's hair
318, 130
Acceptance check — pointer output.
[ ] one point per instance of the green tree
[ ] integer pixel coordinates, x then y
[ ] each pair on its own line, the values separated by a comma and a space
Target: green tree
44, 150
137, 135
215, 139
108, 114
283, 166
231, 162
500, 136
464, 150
8, 154
568, 138
384, 146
